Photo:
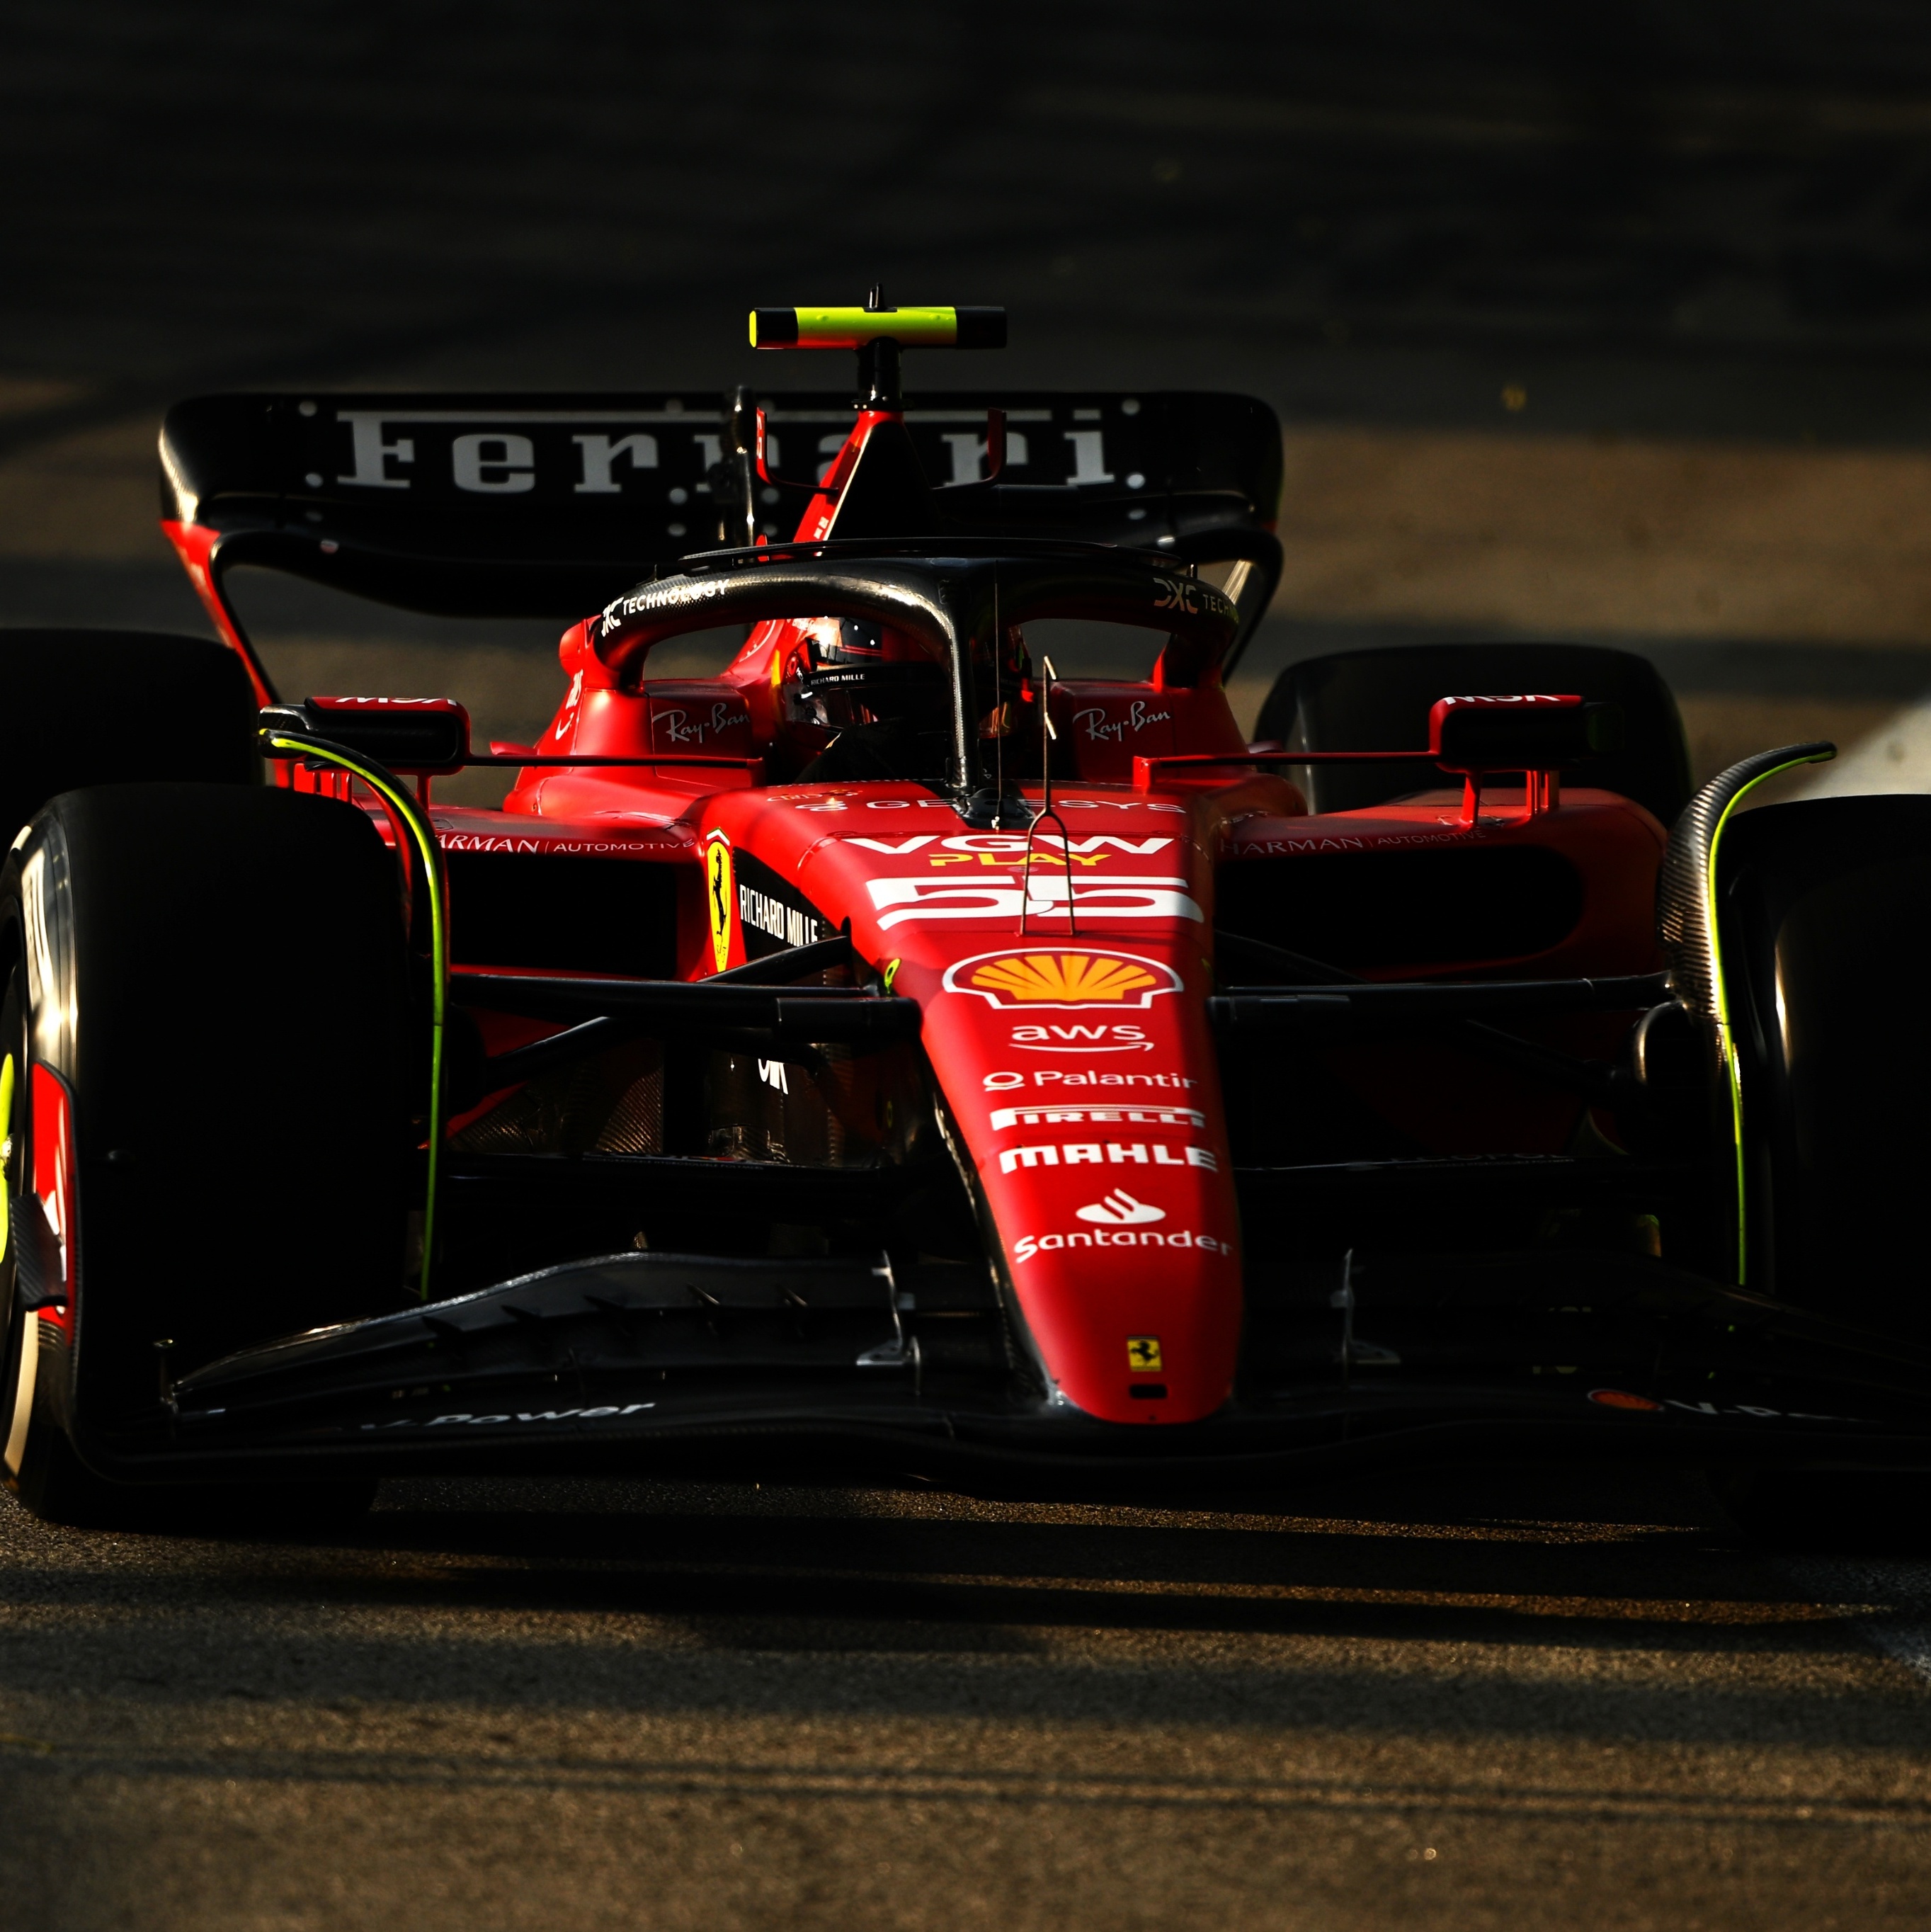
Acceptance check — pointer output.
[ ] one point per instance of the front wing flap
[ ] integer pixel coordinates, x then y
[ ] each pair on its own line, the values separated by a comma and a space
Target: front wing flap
643, 1358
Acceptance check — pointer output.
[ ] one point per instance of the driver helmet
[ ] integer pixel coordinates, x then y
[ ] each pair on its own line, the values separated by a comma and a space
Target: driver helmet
1001, 680
840, 672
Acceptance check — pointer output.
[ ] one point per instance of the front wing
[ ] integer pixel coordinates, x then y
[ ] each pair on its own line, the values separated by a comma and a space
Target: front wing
835, 1367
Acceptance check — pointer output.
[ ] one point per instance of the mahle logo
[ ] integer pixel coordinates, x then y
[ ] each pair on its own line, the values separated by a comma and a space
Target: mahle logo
1056, 979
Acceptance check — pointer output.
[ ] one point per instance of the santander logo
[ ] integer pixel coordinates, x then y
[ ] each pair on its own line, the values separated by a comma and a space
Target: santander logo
1029, 1245
1119, 1210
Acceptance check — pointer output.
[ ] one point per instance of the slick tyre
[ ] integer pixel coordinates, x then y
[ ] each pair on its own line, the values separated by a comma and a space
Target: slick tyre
1824, 925
1379, 701
80, 708
205, 1069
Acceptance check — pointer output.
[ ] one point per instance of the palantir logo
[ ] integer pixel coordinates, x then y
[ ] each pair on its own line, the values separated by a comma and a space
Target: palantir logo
1119, 1210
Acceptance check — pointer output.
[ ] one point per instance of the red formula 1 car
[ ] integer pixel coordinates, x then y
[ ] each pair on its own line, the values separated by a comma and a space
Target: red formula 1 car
888, 1052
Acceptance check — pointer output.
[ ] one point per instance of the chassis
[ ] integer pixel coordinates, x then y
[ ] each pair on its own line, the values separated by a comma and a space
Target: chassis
1127, 1102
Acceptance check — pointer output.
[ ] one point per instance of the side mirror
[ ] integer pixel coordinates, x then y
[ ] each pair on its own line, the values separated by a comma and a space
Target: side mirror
1527, 732
407, 734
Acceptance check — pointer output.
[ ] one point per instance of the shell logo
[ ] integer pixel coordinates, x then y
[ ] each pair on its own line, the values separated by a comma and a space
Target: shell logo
1610, 1398
1092, 978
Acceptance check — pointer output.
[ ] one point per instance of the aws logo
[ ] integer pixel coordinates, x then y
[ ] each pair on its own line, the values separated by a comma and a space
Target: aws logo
1082, 1036
1088, 978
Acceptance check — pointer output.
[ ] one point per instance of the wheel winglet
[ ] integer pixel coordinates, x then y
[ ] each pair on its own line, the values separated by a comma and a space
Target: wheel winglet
1688, 928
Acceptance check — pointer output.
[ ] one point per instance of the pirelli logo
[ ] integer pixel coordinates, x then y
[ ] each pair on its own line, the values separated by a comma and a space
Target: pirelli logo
1098, 1116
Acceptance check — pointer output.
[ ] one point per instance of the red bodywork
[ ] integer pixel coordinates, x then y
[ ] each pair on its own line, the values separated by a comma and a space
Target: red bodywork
1062, 977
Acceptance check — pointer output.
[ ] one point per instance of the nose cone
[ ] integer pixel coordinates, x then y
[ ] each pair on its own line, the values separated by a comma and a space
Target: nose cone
1082, 1080
1123, 1259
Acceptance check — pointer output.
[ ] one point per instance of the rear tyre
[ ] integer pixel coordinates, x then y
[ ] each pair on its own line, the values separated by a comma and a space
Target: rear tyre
80, 708
1823, 924
205, 1007
1378, 701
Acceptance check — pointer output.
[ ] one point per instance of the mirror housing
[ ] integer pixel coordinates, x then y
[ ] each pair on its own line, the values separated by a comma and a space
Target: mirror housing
1524, 732
419, 735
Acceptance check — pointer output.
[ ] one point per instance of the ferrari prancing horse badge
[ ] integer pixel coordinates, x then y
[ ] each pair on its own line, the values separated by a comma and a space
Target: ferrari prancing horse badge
718, 900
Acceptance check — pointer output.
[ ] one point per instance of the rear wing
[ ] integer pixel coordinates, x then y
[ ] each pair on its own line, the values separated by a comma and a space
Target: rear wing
549, 506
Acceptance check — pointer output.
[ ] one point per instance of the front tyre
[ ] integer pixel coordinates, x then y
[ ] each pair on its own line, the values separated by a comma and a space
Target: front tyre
205, 1006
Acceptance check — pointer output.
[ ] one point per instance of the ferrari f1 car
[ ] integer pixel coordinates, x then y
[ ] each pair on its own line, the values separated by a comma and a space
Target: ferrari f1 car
888, 1053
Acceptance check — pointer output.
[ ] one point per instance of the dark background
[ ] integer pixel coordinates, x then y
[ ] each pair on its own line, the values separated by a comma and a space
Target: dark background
1703, 217
1697, 225
1691, 238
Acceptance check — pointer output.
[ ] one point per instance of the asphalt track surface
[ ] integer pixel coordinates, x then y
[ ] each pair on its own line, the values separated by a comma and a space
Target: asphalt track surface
1462, 1698
1480, 1698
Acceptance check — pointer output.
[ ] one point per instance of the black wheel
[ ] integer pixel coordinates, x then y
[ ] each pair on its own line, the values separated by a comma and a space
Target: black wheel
1823, 911
1379, 701
1823, 925
205, 1017
81, 708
